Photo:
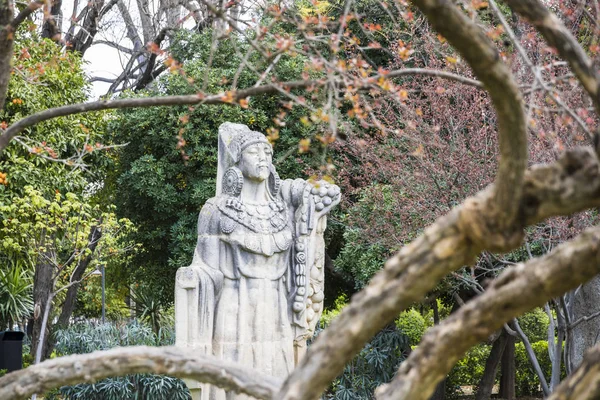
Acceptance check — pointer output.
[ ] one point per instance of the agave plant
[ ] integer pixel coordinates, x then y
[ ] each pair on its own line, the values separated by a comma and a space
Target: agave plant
147, 308
16, 292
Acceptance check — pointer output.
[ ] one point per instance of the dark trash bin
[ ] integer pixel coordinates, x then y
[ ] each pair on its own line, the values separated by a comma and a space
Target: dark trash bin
11, 350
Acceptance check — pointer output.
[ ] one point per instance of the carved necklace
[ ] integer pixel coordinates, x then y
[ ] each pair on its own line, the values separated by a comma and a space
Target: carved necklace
259, 217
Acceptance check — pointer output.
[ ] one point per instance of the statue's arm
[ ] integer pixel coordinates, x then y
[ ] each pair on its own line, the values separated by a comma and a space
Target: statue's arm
309, 203
198, 286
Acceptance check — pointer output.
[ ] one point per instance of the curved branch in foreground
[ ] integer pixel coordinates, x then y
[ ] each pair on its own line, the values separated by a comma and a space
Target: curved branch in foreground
173, 361
221, 98
517, 290
571, 184
584, 383
483, 57
560, 37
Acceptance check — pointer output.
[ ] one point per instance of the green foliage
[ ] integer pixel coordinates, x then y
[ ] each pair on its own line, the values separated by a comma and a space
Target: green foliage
33, 225
535, 325
89, 299
527, 381
34, 229
468, 371
85, 338
167, 172
376, 363
330, 313
359, 261
412, 324
16, 292
45, 77
369, 221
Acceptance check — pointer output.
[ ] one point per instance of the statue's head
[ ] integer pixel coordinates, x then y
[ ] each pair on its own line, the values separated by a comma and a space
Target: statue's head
244, 154
252, 154
256, 162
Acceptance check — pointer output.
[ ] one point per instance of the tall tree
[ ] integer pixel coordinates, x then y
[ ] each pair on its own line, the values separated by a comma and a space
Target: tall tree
493, 219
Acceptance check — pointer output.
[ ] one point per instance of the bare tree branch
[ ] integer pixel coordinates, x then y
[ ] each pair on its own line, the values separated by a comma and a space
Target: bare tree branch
101, 79
89, 368
570, 184
148, 74
22, 16
481, 54
114, 45
221, 98
559, 36
517, 290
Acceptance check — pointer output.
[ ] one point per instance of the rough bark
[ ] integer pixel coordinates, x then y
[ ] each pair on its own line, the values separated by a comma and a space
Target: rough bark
454, 240
89, 368
486, 384
517, 290
6, 46
507, 370
445, 246
42, 290
586, 333
69, 303
584, 383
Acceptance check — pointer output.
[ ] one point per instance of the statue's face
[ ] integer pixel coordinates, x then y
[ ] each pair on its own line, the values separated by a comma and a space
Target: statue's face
256, 161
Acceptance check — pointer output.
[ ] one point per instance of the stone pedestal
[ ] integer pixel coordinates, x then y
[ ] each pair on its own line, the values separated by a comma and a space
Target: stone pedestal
195, 389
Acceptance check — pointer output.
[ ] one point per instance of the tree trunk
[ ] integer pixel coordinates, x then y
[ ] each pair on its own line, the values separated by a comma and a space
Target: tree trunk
6, 47
585, 333
42, 288
491, 365
51, 28
69, 304
507, 379
440, 390
82, 41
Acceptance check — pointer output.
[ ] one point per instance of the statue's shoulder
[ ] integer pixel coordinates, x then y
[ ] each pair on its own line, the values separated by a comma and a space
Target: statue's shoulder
210, 207
208, 220
292, 190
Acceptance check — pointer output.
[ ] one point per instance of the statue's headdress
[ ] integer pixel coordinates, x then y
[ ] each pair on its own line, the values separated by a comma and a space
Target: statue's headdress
233, 140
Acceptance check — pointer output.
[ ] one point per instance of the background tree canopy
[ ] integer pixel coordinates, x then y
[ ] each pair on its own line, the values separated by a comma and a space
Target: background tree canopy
166, 173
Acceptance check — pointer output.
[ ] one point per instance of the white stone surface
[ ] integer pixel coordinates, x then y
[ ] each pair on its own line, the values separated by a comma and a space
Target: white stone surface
254, 291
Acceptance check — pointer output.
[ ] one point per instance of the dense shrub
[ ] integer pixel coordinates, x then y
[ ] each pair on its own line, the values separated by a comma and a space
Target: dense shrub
86, 337
468, 371
376, 364
412, 324
535, 325
527, 381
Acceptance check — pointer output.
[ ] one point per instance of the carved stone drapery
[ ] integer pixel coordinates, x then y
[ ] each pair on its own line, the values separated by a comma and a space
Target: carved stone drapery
254, 291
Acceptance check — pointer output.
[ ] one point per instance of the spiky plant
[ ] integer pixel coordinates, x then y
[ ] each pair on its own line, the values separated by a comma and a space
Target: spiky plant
16, 292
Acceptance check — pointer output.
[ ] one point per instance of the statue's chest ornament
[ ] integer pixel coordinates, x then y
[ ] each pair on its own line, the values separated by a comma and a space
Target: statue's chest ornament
265, 225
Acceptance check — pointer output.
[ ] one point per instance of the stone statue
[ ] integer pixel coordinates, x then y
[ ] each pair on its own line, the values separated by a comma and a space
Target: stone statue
254, 291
